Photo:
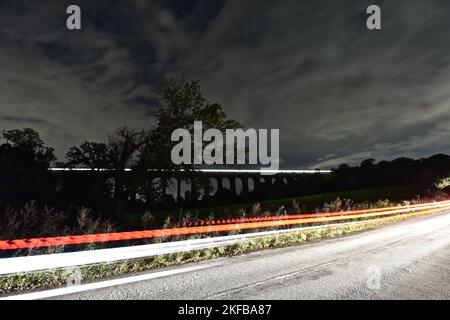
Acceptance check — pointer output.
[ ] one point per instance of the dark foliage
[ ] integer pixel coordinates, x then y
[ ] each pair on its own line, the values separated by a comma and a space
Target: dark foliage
25, 160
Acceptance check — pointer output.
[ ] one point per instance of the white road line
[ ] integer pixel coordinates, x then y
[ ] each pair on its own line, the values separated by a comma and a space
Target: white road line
104, 284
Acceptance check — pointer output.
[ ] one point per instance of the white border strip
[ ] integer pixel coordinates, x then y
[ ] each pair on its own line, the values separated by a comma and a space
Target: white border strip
82, 258
103, 284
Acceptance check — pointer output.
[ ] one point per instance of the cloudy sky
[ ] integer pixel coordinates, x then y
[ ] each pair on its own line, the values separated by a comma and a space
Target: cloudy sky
337, 91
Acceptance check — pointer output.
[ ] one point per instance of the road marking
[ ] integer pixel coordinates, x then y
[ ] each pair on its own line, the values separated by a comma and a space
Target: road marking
105, 284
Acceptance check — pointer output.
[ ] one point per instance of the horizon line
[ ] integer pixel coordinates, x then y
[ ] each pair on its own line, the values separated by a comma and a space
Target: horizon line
264, 171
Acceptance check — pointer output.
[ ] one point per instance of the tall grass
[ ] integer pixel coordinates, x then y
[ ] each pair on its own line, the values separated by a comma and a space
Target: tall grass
33, 221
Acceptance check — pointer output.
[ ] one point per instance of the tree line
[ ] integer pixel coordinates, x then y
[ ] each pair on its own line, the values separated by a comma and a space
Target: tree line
25, 159
400, 171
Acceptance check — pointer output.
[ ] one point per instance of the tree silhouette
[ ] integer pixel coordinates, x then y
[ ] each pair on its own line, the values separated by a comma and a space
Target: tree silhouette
93, 155
24, 163
182, 104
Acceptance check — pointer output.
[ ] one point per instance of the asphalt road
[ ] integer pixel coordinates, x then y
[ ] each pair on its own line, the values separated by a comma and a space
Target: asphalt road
409, 260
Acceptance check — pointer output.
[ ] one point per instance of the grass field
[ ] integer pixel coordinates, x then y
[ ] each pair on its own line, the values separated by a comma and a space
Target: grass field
306, 203
313, 201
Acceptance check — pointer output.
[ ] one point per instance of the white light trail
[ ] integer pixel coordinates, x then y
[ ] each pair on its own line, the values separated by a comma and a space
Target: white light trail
256, 171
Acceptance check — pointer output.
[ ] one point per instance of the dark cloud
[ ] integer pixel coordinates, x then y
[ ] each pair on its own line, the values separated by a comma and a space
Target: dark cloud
338, 92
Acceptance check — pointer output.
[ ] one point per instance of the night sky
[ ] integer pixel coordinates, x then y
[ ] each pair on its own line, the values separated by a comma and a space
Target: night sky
337, 91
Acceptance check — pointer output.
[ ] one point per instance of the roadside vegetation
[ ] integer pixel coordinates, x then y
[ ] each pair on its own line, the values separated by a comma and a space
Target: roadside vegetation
315, 203
443, 184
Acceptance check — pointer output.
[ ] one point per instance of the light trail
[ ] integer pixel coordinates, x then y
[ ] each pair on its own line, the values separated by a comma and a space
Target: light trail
212, 228
202, 222
354, 245
69, 260
256, 171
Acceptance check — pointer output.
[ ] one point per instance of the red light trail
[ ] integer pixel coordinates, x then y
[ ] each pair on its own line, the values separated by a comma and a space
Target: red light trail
224, 225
